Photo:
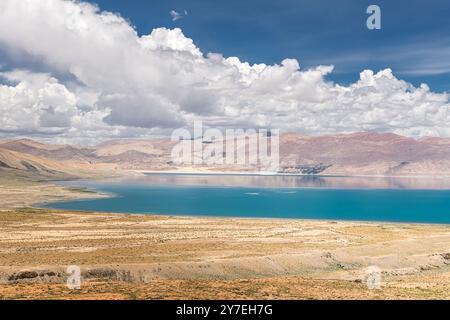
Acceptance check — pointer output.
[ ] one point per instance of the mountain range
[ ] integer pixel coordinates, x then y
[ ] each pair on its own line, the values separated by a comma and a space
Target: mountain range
381, 154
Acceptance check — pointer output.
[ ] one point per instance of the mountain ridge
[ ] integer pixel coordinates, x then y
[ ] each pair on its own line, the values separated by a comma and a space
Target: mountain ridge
361, 153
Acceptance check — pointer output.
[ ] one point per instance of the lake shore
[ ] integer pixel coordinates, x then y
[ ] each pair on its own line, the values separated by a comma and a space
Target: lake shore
206, 171
139, 256
126, 256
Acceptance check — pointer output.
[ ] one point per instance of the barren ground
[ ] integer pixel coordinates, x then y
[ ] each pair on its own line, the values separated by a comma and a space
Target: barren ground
155, 257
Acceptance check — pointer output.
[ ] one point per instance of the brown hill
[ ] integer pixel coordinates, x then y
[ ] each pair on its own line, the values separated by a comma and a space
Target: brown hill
18, 164
15, 164
56, 152
368, 153
343, 154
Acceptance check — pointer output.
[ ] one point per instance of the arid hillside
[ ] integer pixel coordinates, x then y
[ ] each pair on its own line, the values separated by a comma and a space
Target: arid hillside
366, 154
343, 154
24, 164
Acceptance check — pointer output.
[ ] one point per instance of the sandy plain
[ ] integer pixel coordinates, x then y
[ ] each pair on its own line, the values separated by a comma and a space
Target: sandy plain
160, 257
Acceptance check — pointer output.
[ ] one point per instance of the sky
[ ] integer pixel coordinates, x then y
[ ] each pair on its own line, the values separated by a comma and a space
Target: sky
414, 40
90, 71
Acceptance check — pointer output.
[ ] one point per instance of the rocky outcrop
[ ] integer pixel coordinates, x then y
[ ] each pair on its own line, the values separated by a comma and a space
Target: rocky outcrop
305, 169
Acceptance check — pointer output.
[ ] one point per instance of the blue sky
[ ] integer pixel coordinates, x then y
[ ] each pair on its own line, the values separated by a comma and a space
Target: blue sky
71, 71
414, 40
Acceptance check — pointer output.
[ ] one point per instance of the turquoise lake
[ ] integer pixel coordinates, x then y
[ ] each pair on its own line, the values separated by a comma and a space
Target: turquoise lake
335, 198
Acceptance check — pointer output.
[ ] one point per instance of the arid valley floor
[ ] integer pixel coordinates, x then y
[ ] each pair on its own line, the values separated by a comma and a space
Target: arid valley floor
154, 257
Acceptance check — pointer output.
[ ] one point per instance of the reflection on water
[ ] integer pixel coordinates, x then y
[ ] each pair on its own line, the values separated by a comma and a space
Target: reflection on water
284, 181
341, 198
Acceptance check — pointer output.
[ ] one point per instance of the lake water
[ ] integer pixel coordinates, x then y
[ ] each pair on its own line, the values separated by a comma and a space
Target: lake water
335, 198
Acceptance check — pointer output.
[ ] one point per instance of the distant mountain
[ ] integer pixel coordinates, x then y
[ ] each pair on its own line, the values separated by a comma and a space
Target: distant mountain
56, 152
138, 154
343, 154
29, 166
367, 154
26, 164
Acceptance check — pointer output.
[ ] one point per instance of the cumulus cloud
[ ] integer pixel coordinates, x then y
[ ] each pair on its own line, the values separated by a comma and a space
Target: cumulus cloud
40, 104
37, 102
104, 80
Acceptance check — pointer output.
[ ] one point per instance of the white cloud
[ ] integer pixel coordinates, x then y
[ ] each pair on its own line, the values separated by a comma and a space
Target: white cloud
177, 15
417, 56
121, 84
39, 104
